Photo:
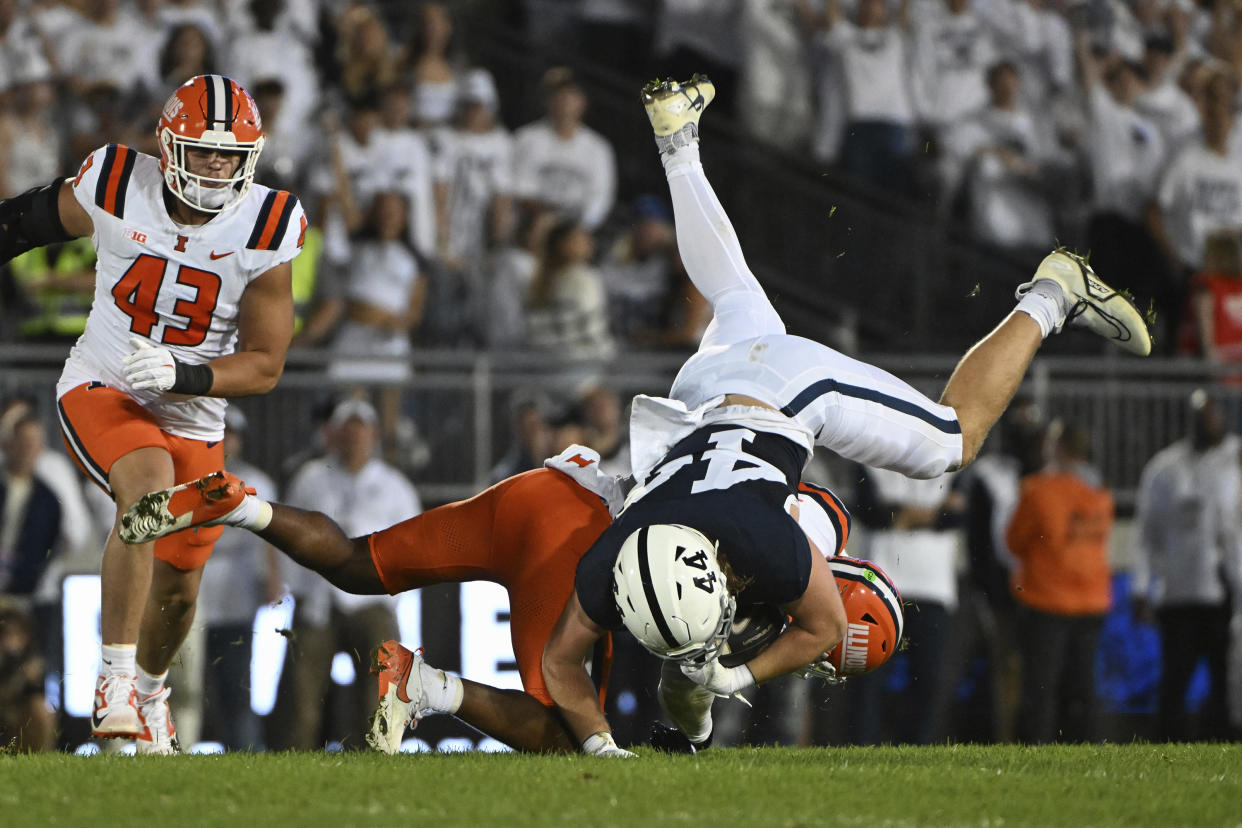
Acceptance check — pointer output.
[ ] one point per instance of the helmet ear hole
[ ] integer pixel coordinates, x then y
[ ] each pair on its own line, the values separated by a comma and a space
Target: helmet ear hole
869, 618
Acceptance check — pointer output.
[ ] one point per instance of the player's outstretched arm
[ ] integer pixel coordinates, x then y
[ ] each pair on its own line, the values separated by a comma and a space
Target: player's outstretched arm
569, 683
818, 625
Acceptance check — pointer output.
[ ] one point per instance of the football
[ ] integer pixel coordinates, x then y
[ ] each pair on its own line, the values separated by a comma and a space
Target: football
752, 632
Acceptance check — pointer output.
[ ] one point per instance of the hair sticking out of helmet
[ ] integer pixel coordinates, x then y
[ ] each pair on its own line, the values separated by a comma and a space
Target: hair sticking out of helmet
873, 616
671, 593
211, 113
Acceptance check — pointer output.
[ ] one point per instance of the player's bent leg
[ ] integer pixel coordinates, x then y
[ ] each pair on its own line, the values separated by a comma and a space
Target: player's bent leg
515, 718
988, 376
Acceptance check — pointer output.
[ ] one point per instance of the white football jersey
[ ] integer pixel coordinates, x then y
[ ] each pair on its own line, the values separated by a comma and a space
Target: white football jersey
177, 286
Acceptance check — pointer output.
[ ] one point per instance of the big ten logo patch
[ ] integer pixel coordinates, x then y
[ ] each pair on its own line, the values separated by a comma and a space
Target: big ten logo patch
136, 235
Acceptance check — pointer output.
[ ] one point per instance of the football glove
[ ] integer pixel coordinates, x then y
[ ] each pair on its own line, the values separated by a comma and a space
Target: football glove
601, 744
149, 367
719, 679
153, 368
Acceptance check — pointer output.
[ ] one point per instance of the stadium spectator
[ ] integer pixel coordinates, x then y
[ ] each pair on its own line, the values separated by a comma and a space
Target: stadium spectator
953, 48
531, 438
1200, 193
474, 187
1035, 38
384, 300
914, 535
362, 494
270, 39
109, 49
510, 274
1187, 562
567, 314
430, 60
561, 162
774, 79
242, 577
1059, 536
637, 272
31, 517
1164, 101
26, 722
186, 51
604, 429
408, 168
1125, 151
365, 58
1000, 156
57, 471
874, 55
30, 138
1213, 325
25, 53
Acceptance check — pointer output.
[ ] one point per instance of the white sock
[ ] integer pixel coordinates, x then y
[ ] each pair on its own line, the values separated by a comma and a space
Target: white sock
1044, 301
117, 659
444, 691
252, 513
683, 156
147, 684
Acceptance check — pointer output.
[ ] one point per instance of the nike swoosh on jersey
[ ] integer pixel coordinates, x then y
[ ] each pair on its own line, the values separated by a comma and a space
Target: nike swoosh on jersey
212, 443
214, 255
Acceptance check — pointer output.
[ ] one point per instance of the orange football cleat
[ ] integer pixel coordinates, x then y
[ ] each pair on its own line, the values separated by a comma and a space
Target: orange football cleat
204, 502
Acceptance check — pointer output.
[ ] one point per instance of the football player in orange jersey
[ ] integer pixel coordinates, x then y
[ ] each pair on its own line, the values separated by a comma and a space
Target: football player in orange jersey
193, 304
526, 533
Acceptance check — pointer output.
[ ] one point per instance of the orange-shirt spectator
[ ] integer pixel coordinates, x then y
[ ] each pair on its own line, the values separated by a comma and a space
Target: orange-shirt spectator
1059, 536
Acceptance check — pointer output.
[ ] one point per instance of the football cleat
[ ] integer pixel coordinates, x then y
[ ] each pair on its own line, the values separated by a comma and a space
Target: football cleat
115, 714
205, 502
674, 109
1092, 304
159, 736
401, 696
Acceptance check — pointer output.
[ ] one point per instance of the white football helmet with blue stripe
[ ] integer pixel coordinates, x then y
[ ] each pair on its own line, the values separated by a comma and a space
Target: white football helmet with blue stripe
671, 593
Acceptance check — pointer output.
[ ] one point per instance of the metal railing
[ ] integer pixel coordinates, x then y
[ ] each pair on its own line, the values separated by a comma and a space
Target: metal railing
460, 402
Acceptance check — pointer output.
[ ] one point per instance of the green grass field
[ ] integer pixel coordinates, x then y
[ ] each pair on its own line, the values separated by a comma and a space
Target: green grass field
1072, 785
1078, 785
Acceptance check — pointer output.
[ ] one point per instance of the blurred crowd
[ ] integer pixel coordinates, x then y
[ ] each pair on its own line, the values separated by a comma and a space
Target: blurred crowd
436, 222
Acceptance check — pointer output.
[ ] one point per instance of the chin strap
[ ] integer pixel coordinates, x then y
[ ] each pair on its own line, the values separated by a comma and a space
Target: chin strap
31, 220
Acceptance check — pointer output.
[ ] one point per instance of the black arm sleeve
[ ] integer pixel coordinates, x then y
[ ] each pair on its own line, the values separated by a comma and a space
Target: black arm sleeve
31, 220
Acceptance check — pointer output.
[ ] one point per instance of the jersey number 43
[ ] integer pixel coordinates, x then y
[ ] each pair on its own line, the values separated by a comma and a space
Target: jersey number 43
137, 290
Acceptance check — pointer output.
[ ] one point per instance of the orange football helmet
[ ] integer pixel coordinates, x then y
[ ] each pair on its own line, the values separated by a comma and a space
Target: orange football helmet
873, 615
209, 112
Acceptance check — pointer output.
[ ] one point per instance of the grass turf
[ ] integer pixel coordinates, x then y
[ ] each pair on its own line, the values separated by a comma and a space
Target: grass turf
1070, 785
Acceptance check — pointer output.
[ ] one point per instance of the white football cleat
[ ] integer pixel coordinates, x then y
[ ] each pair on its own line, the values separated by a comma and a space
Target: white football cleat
115, 714
159, 736
674, 109
401, 697
1091, 303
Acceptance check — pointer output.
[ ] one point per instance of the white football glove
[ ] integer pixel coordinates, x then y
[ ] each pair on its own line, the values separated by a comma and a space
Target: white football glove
601, 744
149, 367
721, 680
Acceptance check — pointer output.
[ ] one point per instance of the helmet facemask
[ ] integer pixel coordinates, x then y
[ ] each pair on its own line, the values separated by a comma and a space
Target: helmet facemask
204, 193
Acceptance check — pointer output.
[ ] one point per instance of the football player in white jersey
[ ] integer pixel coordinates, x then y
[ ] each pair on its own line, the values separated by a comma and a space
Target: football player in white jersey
193, 304
717, 463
